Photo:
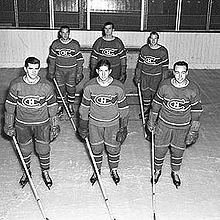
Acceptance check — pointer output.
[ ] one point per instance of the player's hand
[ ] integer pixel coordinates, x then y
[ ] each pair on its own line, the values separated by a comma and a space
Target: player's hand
10, 131
54, 132
83, 128
151, 125
79, 78
121, 135
51, 76
136, 80
123, 77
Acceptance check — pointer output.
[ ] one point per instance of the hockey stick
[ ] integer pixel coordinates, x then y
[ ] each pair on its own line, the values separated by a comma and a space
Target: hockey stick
153, 177
29, 178
65, 106
142, 108
99, 179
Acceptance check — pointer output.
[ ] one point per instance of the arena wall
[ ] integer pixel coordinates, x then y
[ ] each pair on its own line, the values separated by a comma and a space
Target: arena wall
200, 50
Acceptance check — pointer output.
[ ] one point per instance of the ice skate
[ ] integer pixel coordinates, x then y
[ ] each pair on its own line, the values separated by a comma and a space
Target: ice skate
24, 179
176, 179
46, 178
115, 176
71, 110
157, 175
60, 112
94, 177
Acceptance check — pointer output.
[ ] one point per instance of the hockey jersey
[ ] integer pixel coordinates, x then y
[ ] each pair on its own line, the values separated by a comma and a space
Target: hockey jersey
112, 50
151, 61
177, 107
103, 106
32, 104
65, 54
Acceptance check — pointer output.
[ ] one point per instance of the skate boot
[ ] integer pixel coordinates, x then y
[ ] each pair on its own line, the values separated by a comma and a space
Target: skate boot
176, 179
94, 177
157, 175
115, 176
24, 179
46, 178
71, 110
60, 112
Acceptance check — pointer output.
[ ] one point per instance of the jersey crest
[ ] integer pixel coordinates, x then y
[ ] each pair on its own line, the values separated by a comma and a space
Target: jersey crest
104, 100
31, 101
65, 52
149, 60
109, 52
177, 105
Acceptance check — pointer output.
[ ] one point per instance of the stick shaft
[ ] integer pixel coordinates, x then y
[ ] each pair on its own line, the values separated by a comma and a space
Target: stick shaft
64, 103
99, 179
153, 177
29, 178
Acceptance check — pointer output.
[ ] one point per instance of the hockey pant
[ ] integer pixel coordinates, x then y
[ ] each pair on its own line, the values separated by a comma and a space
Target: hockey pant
104, 138
173, 139
34, 136
66, 80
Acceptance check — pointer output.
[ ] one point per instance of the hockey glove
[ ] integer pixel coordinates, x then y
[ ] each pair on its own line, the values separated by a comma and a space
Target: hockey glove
137, 77
193, 134
54, 128
9, 124
51, 75
123, 132
123, 74
151, 123
83, 128
79, 78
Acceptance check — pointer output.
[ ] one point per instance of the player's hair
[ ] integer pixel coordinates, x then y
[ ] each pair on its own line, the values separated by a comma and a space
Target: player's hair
65, 27
181, 63
31, 60
105, 24
103, 62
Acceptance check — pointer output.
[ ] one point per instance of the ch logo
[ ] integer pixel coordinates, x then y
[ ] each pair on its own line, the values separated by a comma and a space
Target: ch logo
151, 60
110, 52
31, 101
176, 104
104, 100
65, 52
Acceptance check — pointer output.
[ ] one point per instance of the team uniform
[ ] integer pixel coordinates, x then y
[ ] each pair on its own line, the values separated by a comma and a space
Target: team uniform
66, 61
175, 109
151, 65
32, 106
103, 106
112, 50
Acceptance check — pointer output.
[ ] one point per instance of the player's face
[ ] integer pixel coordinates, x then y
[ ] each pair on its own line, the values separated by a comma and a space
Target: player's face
32, 70
180, 73
104, 73
108, 30
64, 33
153, 39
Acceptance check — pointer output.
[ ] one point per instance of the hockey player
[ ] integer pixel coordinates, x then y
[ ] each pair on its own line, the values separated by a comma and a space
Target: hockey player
111, 48
175, 116
152, 67
30, 114
104, 117
66, 66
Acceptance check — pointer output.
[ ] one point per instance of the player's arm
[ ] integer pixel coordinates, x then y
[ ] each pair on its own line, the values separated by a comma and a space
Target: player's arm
83, 128
80, 61
124, 116
196, 111
165, 65
52, 61
52, 110
139, 66
10, 108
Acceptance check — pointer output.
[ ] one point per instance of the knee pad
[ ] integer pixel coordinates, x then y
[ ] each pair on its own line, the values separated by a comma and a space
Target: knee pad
42, 148
26, 148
